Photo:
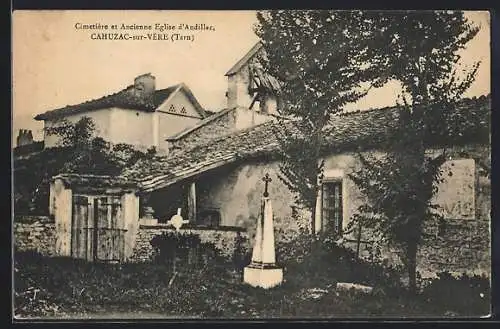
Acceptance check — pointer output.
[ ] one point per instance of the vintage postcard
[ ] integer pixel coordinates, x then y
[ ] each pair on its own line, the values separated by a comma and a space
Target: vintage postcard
251, 165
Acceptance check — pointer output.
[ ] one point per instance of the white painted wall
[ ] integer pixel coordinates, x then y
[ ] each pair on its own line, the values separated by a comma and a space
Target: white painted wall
130, 213
132, 127
101, 118
62, 209
246, 118
138, 128
237, 92
270, 105
169, 123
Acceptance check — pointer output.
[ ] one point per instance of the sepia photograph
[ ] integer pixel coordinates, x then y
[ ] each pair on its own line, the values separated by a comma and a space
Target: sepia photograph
251, 165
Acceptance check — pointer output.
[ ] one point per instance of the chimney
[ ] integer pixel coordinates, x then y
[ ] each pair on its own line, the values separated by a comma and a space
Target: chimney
25, 137
145, 85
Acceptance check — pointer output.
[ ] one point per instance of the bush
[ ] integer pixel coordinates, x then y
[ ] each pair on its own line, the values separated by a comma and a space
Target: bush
79, 286
468, 295
188, 248
67, 286
321, 260
241, 257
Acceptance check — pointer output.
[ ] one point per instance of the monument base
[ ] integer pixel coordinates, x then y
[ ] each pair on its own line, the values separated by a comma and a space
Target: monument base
262, 276
148, 221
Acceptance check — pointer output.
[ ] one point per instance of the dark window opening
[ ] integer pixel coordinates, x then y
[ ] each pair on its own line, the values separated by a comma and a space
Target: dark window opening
441, 228
209, 218
332, 212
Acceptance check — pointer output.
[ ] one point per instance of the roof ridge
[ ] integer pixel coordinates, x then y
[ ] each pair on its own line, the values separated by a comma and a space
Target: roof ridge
124, 98
350, 135
199, 124
393, 107
272, 122
231, 134
236, 67
192, 98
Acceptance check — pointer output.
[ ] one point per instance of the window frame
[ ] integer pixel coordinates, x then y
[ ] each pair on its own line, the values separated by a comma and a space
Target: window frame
325, 222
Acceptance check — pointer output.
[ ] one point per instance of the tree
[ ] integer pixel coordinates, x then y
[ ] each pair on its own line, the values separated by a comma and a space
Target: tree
79, 151
317, 56
420, 50
87, 152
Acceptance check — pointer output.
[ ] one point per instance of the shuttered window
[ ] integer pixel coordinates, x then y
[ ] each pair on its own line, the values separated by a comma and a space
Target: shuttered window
332, 213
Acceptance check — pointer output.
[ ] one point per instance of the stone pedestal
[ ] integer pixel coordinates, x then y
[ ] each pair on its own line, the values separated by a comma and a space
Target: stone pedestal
264, 277
262, 271
148, 219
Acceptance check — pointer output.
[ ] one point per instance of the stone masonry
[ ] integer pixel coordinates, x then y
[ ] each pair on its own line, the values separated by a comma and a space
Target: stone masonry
35, 233
223, 240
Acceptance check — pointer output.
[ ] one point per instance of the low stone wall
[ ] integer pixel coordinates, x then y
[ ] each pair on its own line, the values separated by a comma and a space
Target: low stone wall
460, 246
224, 239
35, 233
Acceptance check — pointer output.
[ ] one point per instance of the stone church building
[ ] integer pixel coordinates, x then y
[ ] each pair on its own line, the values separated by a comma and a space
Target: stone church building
213, 167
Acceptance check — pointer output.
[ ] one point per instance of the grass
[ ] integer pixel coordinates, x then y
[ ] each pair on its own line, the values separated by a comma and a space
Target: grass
71, 288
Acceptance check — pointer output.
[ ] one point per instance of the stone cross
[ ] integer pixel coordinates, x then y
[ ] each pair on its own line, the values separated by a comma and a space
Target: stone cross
267, 180
263, 271
177, 221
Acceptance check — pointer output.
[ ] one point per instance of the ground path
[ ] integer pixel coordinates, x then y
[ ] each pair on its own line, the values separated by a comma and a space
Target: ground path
117, 316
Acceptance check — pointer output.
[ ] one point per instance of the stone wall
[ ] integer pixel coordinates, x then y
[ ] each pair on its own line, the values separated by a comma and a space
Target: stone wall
464, 247
461, 245
35, 233
235, 191
223, 238
237, 197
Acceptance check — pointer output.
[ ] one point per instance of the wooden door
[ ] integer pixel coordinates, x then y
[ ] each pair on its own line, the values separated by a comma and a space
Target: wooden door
81, 228
109, 237
97, 228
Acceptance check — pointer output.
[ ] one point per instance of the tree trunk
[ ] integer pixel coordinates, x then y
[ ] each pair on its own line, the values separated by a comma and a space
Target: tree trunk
313, 221
411, 254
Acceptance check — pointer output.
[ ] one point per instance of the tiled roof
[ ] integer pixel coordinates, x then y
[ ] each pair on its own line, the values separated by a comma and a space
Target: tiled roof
199, 124
96, 181
267, 81
350, 132
164, 171
125, 99
122, 99
161, 95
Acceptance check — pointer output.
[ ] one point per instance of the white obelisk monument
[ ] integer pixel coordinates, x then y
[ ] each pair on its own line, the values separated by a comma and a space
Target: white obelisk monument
262, 271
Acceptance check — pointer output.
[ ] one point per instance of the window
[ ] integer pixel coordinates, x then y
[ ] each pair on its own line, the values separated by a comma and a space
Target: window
332, 213
209, 218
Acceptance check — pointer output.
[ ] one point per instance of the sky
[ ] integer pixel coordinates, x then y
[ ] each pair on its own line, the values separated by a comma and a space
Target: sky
57, 64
